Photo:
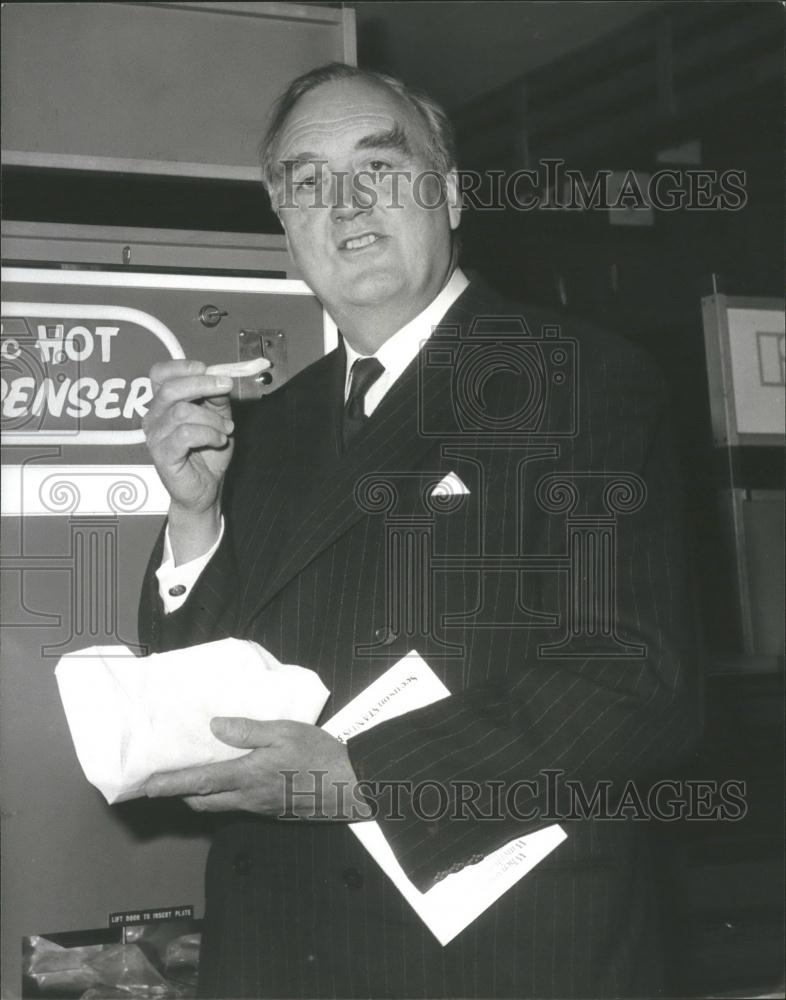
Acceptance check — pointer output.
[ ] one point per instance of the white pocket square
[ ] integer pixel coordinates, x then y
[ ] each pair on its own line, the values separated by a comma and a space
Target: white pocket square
450, 486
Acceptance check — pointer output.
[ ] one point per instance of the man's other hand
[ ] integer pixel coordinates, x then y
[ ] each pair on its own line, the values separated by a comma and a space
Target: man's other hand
292, 770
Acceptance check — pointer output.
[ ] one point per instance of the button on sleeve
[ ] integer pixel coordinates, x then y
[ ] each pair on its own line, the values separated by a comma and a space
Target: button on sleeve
175, 582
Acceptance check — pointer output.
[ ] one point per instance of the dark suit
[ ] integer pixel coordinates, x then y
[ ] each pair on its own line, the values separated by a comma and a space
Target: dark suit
538, 682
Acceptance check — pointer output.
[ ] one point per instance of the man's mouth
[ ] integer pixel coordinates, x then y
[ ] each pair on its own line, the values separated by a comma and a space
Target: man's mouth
359, 242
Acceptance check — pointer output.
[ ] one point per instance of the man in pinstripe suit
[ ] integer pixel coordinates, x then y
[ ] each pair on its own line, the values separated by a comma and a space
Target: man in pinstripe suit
275, 533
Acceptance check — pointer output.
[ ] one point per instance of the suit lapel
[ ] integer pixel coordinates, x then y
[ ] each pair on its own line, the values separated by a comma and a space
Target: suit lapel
291, 448
393, 440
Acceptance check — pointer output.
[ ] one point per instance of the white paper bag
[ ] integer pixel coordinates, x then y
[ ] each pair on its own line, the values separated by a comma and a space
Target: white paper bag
130, 716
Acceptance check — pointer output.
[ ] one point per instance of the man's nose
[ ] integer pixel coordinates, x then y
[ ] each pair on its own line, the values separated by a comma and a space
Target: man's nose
348, 197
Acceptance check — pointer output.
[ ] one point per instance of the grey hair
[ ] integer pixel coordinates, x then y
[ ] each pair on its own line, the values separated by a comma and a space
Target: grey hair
440, 143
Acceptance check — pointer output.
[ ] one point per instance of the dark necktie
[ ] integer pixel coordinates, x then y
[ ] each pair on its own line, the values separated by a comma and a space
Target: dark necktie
365, 372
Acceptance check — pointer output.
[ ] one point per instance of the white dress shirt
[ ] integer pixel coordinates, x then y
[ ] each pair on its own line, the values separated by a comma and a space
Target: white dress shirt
394, 355
398, 350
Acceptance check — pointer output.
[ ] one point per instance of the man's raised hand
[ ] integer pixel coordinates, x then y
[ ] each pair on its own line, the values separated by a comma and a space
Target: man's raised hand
188, 428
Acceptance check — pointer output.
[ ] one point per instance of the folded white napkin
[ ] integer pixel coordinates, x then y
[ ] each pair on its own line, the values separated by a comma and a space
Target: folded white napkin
133, 716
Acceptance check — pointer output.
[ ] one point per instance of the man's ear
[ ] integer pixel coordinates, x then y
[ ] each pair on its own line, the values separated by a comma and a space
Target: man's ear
453, 198
289, 246
277, 209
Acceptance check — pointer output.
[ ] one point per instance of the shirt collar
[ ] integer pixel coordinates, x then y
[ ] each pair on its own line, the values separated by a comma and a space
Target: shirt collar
399, 349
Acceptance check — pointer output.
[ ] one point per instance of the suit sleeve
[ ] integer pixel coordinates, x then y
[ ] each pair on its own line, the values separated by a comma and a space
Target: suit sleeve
203, 617
208, 613
589, 715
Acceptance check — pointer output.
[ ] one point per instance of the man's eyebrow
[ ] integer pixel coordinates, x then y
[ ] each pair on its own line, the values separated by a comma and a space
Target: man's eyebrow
393, 138
297, 158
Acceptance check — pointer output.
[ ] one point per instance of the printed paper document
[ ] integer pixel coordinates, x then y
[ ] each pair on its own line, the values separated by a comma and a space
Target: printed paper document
452, 904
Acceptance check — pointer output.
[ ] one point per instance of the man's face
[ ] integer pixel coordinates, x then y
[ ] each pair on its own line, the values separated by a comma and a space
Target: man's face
357, 225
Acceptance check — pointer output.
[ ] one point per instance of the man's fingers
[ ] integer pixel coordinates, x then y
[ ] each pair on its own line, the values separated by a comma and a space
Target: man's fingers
211, 779
165, 370
183, 413
186, 438
192, 387
245, 733
221, 802
187, 388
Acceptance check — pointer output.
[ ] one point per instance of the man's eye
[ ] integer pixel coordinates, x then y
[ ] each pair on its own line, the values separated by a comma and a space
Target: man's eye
378, 165
306, 182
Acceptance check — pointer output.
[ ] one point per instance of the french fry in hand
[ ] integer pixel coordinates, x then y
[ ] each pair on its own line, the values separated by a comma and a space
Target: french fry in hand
239, 369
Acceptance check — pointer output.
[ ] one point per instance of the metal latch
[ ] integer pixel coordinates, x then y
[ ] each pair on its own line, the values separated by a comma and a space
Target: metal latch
270, 344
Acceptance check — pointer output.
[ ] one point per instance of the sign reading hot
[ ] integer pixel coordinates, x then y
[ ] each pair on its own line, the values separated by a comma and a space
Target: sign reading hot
76, 374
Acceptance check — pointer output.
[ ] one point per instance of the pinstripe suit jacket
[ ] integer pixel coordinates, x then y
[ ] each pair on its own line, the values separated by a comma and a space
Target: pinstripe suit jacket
307, 568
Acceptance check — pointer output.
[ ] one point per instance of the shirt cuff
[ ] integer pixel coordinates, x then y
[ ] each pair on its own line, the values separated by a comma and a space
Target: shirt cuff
176, 582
